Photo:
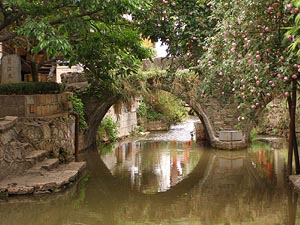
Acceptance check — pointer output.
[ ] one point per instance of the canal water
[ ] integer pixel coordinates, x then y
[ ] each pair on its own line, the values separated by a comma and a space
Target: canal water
166, 178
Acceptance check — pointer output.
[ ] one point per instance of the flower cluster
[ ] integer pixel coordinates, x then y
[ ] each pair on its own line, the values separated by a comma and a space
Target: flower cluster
248, 56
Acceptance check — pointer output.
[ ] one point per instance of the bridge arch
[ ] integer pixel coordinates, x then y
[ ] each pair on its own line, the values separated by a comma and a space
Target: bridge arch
218, 117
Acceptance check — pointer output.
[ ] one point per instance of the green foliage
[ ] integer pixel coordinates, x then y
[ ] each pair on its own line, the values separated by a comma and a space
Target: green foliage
78, 107
253, 134
247, 58
29, 88
162, 106
105, 148
182, 25
108, 129
94, 33
293, 31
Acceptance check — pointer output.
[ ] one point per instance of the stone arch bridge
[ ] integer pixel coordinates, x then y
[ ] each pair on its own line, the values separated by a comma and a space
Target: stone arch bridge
218, 116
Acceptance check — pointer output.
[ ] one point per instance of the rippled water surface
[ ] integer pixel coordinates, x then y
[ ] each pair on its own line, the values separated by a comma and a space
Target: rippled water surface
166, 178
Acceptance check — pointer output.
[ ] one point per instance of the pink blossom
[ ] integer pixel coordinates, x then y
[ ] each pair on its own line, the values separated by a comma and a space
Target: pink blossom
258, 57
294, 76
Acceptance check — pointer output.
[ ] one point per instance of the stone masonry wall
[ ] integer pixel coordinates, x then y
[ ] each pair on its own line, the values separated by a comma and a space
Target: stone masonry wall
49, 133
126, 120
223, 116
34, 105
12, 151
20, 136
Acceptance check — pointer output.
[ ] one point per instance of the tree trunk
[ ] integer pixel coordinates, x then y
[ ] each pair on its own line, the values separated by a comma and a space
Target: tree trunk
293, 113
292, 101
290, 149
34, 71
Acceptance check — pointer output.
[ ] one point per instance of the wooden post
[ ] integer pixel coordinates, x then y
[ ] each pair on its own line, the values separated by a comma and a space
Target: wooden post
76, 141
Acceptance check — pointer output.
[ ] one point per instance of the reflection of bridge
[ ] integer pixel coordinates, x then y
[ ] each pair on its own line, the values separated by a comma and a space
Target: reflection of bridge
218, 116
213, 192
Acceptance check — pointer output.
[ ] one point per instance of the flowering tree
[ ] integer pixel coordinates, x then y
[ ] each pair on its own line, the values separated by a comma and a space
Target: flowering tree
181, 25
249, 58
293, 35
240, 47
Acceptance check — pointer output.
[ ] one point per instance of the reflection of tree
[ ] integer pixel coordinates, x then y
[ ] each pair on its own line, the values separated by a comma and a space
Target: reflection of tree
292, 206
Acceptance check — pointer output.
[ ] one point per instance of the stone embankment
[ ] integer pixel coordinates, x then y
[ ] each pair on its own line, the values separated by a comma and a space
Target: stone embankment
24, 167
45, 176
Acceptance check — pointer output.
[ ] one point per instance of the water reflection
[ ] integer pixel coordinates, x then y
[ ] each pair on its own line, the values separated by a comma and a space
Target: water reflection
152, 166
169, 183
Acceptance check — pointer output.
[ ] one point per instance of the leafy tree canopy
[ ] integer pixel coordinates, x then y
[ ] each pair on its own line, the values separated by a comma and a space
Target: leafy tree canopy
92, 32
182, 25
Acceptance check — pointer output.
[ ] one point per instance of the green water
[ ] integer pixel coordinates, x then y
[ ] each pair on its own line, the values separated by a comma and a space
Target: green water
156, 182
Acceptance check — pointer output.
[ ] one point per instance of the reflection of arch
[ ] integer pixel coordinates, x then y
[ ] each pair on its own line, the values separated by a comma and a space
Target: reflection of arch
205, 178
103, 173
88, 204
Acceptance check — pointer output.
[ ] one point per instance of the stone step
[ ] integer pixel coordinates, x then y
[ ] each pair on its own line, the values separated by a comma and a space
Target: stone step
47, 164
36, 156
43, 181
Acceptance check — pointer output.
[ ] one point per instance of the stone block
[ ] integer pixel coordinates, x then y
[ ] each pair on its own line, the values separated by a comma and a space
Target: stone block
11, 69
8, 122
29, 99
39, 111
231, 135
200, 132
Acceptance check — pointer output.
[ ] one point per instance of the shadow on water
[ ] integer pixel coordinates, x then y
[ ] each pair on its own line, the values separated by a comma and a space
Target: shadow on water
155, 182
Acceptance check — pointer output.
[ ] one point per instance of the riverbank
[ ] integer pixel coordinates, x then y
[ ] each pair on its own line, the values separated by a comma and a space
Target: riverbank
46, 177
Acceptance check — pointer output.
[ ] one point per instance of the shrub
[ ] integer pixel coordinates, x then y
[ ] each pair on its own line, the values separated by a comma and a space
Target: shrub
162, 106
29, 88
108, 129
78, 107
